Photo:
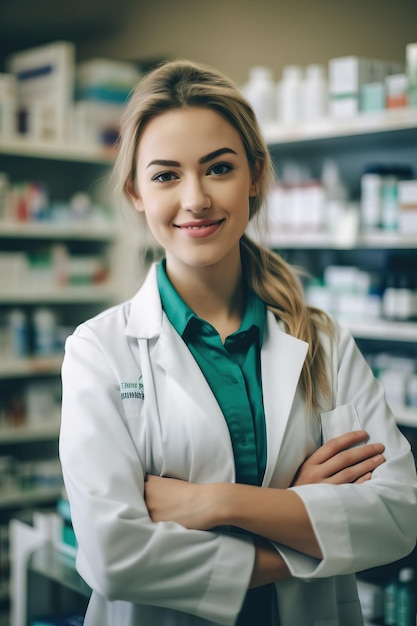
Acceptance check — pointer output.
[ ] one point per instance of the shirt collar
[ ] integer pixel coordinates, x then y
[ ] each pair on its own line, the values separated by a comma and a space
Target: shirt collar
180, 314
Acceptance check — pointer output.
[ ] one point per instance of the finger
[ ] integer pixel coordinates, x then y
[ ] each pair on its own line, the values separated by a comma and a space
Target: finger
363, 479
354, 472
351, 457
337, 444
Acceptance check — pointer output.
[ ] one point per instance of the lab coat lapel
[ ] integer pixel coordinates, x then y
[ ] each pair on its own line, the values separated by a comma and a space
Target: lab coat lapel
282, 359
170, 353
210, 438
173, 356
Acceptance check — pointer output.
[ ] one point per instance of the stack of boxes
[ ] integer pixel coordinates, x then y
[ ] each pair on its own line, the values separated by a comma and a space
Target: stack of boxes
361, 85
45, 96
102, 89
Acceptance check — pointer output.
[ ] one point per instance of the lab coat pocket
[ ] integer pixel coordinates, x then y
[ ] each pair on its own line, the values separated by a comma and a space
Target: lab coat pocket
339, 421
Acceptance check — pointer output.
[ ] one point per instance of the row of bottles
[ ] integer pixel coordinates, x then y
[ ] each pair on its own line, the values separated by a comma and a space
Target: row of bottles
344, 87
299, 201
38, 335
29, 202
296, 97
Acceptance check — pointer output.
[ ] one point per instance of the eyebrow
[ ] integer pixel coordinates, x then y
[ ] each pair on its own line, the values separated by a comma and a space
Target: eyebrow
204, 159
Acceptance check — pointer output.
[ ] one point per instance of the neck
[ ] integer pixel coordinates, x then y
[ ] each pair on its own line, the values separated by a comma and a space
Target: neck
216, 294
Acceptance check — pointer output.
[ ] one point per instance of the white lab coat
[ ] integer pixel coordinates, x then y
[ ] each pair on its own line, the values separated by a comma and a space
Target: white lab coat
135, 402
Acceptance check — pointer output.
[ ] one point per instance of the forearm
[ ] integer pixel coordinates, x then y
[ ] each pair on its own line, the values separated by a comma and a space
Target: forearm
276, 514
269, 566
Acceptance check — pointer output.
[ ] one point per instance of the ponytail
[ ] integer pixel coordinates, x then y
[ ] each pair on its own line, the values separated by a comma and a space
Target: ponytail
278, 285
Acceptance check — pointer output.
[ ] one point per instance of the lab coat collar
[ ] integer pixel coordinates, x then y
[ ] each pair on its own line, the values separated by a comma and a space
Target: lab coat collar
146, 314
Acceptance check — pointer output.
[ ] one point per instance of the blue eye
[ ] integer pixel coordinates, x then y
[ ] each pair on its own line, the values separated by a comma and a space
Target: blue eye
164, 177
219, 169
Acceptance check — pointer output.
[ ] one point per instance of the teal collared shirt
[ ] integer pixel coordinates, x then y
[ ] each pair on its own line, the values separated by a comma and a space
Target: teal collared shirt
233, 371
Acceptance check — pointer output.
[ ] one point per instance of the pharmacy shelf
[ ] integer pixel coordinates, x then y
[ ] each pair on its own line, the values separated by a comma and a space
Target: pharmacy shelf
18, 497
54, 565
22, 434
34, 366
59, 295
366, 123
60, 151
89, 230
376, 239
381, 329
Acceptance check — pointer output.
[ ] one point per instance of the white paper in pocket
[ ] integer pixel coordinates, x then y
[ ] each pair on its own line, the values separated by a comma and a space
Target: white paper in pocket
339, 421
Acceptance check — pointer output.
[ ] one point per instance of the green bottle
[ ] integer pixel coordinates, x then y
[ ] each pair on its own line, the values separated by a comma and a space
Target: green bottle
406, 598
390, 604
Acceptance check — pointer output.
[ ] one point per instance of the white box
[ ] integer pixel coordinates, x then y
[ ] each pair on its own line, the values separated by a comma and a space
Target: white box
45, 88
348, 74
107, 72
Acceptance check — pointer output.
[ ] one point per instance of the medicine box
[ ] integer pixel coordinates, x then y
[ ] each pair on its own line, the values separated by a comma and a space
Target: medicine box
347, 76
45, 78
407, 203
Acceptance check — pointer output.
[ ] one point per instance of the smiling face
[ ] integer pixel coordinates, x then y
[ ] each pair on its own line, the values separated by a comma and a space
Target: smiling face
193, 183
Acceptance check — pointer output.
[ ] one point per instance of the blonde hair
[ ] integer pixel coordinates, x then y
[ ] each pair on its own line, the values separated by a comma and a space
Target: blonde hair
180, 84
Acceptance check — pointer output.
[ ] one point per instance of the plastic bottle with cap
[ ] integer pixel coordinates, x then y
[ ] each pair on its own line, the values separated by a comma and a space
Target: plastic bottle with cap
44, 331
315, 93
289, 95
260, 92
406, 598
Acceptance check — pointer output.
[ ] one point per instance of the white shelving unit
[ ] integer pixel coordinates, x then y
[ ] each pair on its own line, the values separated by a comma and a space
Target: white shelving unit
57, 151
375, 123
64, 295
382, 329
318, 240
30, 367
40, 432
388, 136
67, 169
97, 231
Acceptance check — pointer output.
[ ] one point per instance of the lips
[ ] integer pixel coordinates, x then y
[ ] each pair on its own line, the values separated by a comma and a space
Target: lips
201, 228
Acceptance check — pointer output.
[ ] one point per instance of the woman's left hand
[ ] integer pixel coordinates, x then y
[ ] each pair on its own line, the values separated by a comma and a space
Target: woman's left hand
188, 504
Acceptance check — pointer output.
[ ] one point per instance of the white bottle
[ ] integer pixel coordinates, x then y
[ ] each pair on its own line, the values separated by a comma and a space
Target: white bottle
315, 93
289, 95
371, 199
44, 332
336, 196
260, 92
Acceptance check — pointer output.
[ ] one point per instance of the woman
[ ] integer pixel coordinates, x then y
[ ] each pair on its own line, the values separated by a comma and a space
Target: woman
221, 441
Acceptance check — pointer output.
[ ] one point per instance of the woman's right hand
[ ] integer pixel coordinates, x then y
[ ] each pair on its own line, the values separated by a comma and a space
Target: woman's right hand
341, 460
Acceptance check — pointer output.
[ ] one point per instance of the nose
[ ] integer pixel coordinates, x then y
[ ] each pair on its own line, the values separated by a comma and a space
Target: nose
194, 195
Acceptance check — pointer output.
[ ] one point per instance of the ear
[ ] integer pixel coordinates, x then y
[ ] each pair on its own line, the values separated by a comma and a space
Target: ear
253, 189
255, 178
134, 197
